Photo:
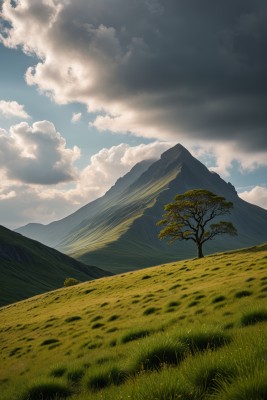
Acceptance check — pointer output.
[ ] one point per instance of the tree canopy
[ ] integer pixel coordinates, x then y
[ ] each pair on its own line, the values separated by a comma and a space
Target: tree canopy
189, 218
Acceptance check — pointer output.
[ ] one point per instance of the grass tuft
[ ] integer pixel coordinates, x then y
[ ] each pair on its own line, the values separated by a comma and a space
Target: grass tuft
96, 318
252, 387
146, 277
210, 378
150, 310
153, 355
218, 299
75, 375
113, 318
58, 371
49, 341
46, 390
73, 318
243, 293
134, 335
173, 304
97, 325
105, 377
199, 340
253, 317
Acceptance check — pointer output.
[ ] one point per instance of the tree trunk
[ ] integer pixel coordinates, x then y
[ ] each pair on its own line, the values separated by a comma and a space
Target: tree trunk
199, 250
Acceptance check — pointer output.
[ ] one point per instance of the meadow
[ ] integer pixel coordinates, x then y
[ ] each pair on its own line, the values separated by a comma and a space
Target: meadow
189, 330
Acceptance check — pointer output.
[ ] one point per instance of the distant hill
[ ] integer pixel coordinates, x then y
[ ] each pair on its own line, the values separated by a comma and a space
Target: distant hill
28, 268
118, 231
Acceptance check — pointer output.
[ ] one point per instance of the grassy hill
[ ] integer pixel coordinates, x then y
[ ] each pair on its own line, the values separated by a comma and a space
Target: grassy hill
189, 330
28, 268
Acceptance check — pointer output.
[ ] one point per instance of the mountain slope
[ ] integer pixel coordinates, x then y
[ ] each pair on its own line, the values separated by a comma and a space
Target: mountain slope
192, 329
28, 268
53, 233
119, 230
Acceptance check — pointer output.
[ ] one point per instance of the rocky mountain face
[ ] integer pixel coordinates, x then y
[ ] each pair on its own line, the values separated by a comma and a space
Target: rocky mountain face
118, 231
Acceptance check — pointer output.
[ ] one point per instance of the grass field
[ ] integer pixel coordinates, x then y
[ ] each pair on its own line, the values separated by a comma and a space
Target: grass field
190, 330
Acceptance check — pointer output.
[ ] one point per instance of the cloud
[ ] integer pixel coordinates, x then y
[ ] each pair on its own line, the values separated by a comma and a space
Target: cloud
8, 195
36, 154
223, 155
257, 195
22, 202
171, 70
104, 168
76, 117
13, 109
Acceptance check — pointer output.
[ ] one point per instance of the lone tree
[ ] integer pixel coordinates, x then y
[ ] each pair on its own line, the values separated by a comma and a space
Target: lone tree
189, 217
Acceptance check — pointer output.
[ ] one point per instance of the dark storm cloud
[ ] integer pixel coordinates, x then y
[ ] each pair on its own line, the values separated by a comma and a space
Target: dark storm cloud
192, 68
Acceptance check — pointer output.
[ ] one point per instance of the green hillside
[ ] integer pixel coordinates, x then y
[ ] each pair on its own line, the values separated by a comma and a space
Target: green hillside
188, 330
28, 268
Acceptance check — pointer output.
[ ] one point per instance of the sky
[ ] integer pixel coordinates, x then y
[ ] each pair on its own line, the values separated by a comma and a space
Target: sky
88, 88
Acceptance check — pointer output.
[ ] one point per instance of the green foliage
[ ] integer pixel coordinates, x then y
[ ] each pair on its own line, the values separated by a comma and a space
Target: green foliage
189, 217
71, 282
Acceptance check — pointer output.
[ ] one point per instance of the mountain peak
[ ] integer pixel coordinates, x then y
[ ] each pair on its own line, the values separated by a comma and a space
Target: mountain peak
176, 152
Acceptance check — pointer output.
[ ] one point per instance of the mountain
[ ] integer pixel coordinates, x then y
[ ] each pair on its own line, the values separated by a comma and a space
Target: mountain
53, 233
28, 268
118, 231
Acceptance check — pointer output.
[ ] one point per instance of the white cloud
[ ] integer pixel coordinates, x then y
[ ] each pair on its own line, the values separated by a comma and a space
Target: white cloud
257, 195
76, 117
8, 195
36, 154
13, 109
105, 168
224, 154
22, 202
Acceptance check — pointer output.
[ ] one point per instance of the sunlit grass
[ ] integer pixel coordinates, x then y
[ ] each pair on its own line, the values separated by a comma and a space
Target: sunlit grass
195, 332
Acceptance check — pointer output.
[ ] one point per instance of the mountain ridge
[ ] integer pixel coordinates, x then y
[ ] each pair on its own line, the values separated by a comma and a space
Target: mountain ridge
120, 231
48, 234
